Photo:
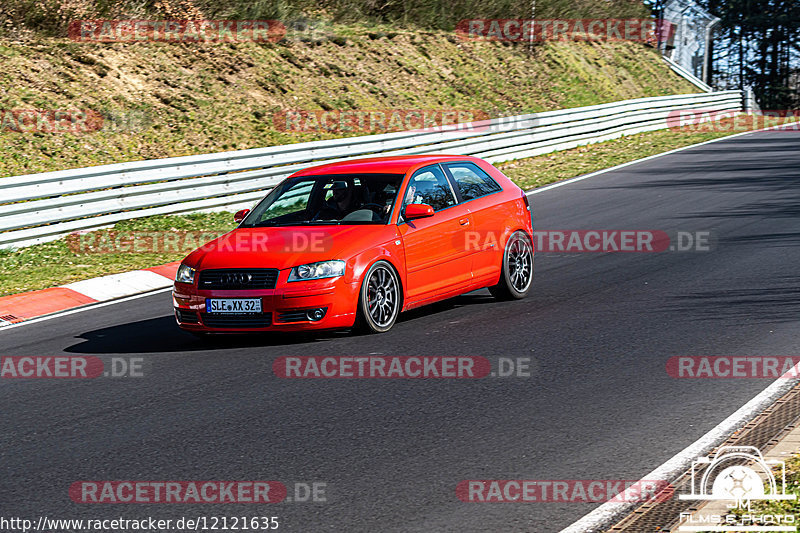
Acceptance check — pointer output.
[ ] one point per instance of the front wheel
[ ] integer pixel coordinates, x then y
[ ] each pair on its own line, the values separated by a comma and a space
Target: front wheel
379, 299
516, 277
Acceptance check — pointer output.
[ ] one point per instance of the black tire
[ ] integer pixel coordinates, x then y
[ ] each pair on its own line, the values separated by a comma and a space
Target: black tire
379, 301
516, 277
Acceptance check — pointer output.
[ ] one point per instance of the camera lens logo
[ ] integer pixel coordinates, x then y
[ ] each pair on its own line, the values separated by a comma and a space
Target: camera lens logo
738, 483
738, 474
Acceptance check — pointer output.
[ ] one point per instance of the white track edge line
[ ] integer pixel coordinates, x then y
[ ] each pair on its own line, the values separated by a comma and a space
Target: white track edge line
610, 512
87, 307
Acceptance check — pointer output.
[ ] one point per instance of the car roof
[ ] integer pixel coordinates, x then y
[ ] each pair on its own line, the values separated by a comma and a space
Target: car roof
399, 164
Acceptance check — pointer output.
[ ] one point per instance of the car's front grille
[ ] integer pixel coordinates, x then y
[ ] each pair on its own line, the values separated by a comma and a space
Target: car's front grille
259, 320
238, 279
185, 316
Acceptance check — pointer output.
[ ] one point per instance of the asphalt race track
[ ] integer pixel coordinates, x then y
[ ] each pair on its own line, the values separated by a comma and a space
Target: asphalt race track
599, 404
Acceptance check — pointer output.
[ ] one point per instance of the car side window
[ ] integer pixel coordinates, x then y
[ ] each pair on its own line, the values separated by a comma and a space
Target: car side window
473, 181
429, 186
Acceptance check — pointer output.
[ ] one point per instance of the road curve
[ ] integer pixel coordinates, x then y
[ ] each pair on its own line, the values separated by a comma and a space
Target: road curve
598, 329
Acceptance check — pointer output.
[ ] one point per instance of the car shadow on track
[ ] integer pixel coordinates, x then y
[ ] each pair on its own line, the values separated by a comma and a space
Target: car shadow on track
162, 335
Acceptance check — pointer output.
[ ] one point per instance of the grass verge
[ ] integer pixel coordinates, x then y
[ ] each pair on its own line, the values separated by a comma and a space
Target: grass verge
67, 260
779, 507
62, 261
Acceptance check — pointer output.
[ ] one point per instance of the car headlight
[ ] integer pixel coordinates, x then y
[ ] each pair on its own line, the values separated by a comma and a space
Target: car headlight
185, 274
323, 269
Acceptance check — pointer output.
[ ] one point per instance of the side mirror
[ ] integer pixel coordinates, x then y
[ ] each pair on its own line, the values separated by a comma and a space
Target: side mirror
239, 216
418, 211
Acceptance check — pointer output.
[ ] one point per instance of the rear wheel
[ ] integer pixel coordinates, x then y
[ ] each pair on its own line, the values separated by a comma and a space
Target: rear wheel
379, 299
516, 277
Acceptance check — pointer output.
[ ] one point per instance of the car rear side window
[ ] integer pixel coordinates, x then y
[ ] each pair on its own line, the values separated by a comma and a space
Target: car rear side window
429, 186
473, 182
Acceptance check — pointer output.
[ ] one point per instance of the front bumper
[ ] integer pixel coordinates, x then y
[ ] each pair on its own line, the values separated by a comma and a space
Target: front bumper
283, 308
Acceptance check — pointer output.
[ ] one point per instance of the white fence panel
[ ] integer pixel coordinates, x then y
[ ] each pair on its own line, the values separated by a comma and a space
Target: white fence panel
40, 207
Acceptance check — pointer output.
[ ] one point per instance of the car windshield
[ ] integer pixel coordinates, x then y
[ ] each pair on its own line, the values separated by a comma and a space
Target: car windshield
337, 199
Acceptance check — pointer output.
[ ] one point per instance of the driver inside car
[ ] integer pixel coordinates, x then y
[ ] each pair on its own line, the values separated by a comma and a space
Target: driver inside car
342, 202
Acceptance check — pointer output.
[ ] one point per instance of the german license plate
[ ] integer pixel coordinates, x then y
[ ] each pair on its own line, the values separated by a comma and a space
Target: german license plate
233, 305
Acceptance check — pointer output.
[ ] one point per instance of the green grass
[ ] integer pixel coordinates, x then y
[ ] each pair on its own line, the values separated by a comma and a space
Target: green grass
780, 507
55, 263
164, 99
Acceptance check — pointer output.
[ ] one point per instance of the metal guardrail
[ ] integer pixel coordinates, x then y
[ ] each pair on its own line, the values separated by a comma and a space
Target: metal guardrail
688, 76
40, 207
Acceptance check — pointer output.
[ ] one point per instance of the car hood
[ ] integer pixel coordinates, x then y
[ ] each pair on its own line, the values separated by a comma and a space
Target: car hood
288, 247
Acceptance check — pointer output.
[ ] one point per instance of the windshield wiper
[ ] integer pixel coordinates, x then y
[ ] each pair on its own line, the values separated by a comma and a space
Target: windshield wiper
270, 223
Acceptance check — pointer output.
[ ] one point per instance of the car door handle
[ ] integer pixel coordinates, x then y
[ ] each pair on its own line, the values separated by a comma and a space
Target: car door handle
464, 221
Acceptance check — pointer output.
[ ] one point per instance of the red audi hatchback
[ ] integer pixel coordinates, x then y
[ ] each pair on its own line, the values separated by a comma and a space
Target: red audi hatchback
355, 243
